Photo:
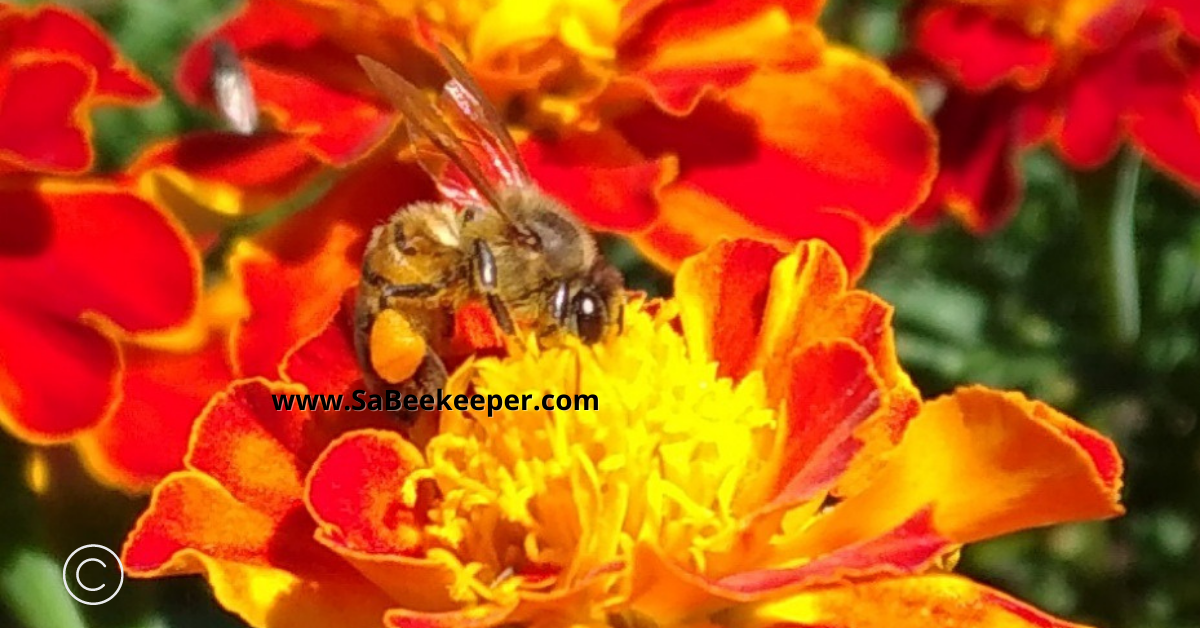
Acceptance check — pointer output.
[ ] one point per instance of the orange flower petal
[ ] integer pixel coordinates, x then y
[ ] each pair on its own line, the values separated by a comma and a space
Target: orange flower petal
1040, 468
59, 31
161, 395
912, 602
263, 567
793, 303
981, 51
484, 616
722, 295
764, 164
354, 493
238, 516
680, 52
43, 127
296, 274
909, 549
664, 590
141, 276
832, 392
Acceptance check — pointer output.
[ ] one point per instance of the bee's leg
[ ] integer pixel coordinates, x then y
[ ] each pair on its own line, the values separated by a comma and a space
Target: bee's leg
485, 273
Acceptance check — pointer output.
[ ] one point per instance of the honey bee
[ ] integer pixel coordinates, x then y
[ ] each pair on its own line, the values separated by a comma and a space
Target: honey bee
495, 239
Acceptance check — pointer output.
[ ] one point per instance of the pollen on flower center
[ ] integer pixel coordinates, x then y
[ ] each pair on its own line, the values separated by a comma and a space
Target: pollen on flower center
493, 27
547, 498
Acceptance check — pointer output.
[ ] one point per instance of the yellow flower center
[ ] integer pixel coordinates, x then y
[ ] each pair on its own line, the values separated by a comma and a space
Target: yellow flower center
568, 47
494, 27
545, 498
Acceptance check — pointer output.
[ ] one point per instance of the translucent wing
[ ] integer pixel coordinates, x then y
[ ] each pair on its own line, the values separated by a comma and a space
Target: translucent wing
477, 120
232, 90
464, 129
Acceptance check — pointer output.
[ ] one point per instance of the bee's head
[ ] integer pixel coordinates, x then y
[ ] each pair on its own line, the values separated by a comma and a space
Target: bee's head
597, 301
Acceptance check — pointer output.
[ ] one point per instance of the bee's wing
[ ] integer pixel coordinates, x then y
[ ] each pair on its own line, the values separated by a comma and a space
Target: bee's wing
464, 184
480, 125
232, 90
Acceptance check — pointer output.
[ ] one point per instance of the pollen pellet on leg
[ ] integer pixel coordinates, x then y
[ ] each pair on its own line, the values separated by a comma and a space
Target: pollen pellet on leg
396, 348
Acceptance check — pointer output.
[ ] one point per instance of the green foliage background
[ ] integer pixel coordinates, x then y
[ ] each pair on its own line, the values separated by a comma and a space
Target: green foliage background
1017, 310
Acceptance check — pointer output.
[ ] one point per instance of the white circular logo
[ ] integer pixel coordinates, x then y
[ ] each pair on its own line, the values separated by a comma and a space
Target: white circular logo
99, 574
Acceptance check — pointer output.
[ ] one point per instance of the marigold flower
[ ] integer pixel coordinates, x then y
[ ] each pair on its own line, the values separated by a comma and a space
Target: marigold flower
607, 125
85, 264
757, 458
1083, 76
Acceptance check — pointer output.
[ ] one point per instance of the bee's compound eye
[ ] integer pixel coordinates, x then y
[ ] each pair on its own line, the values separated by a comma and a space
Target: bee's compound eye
590, 317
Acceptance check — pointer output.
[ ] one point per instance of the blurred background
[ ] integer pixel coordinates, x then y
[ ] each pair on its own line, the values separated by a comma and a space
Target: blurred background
1014, 310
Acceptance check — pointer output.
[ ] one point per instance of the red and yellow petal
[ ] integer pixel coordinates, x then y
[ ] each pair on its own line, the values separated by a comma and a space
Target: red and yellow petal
238, 516
78, 257
908, 602
747, 307
355, 493
264, 567
1039, 467
202, 174
833, 391
678, 53
58, 31
765, 160
162, 393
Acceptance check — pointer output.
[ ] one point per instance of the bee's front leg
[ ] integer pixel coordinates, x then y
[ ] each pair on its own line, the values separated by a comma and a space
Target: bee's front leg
485, 275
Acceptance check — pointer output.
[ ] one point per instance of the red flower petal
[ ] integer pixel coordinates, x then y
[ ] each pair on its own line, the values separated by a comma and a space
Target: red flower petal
764, 163
979, 49
238, 516
979, 181
326, 362
833, 391
355, 494
600, 178
1165, 116
264, 567
60, 31
1186, 12
312, 88
161, 395
128, 265
42, 125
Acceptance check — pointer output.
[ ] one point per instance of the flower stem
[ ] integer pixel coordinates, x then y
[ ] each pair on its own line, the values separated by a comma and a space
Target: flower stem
1107, 198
